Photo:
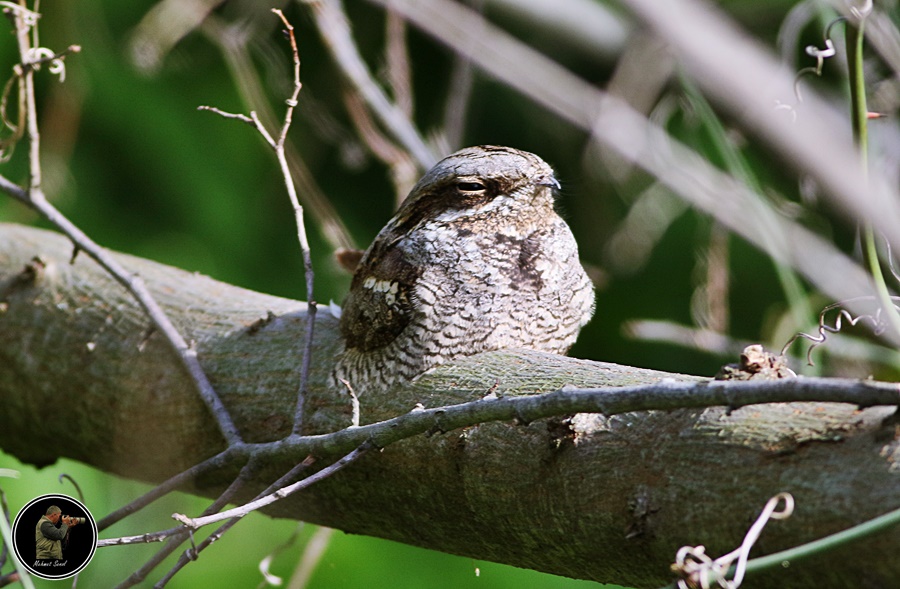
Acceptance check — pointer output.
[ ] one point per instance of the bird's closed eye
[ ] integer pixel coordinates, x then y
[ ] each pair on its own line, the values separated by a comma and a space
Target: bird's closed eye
470, 186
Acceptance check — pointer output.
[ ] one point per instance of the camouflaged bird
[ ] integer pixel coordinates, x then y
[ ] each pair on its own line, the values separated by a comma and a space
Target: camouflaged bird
476, 259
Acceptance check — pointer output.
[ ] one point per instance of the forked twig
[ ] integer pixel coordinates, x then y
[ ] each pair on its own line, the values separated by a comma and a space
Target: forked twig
278, 494
230, 456
175, 536
232, 43
277, 144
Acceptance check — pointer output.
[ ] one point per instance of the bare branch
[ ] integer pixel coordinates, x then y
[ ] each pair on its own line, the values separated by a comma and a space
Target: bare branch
292, 101
277, 495
301, 228
278, 145
233, 44
770, 445
191, 554
180, 535
233, 454
252, 120
147, 538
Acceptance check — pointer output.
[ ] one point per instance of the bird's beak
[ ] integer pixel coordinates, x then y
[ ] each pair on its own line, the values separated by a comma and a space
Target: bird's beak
550, 181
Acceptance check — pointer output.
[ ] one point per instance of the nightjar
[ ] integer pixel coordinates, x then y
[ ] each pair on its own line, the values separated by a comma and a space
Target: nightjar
476, 259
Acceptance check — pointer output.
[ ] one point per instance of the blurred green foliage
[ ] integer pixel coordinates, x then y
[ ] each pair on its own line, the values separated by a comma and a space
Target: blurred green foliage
129, 159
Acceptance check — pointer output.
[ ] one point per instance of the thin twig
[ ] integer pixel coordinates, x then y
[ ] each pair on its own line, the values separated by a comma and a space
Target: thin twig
278, 146
185, 558
148, 538
301, 230
35, 198
333, 26
182, 534
163, 535
232, 455
192, 553
279, 494
252, 121
664, 395
232, 42
608, 401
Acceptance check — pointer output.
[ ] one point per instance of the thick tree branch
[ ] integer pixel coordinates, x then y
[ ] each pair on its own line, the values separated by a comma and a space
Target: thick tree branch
592, 496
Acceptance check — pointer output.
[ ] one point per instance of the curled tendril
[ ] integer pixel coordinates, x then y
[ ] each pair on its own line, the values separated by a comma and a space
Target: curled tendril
782, 106
74, 484
877, 323
39, 55
820, 54
697, 568
29, 17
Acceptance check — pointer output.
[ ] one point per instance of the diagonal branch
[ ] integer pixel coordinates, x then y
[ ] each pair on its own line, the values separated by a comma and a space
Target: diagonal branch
276, 494
335, 30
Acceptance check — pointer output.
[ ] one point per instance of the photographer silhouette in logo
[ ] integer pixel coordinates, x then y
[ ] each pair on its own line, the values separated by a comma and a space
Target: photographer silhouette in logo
50, 549
49, 538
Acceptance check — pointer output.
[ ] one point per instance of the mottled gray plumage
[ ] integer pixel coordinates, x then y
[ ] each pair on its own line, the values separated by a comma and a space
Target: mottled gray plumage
476, 259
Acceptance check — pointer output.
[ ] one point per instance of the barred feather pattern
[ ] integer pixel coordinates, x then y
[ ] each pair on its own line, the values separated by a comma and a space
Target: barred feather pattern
475, 260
